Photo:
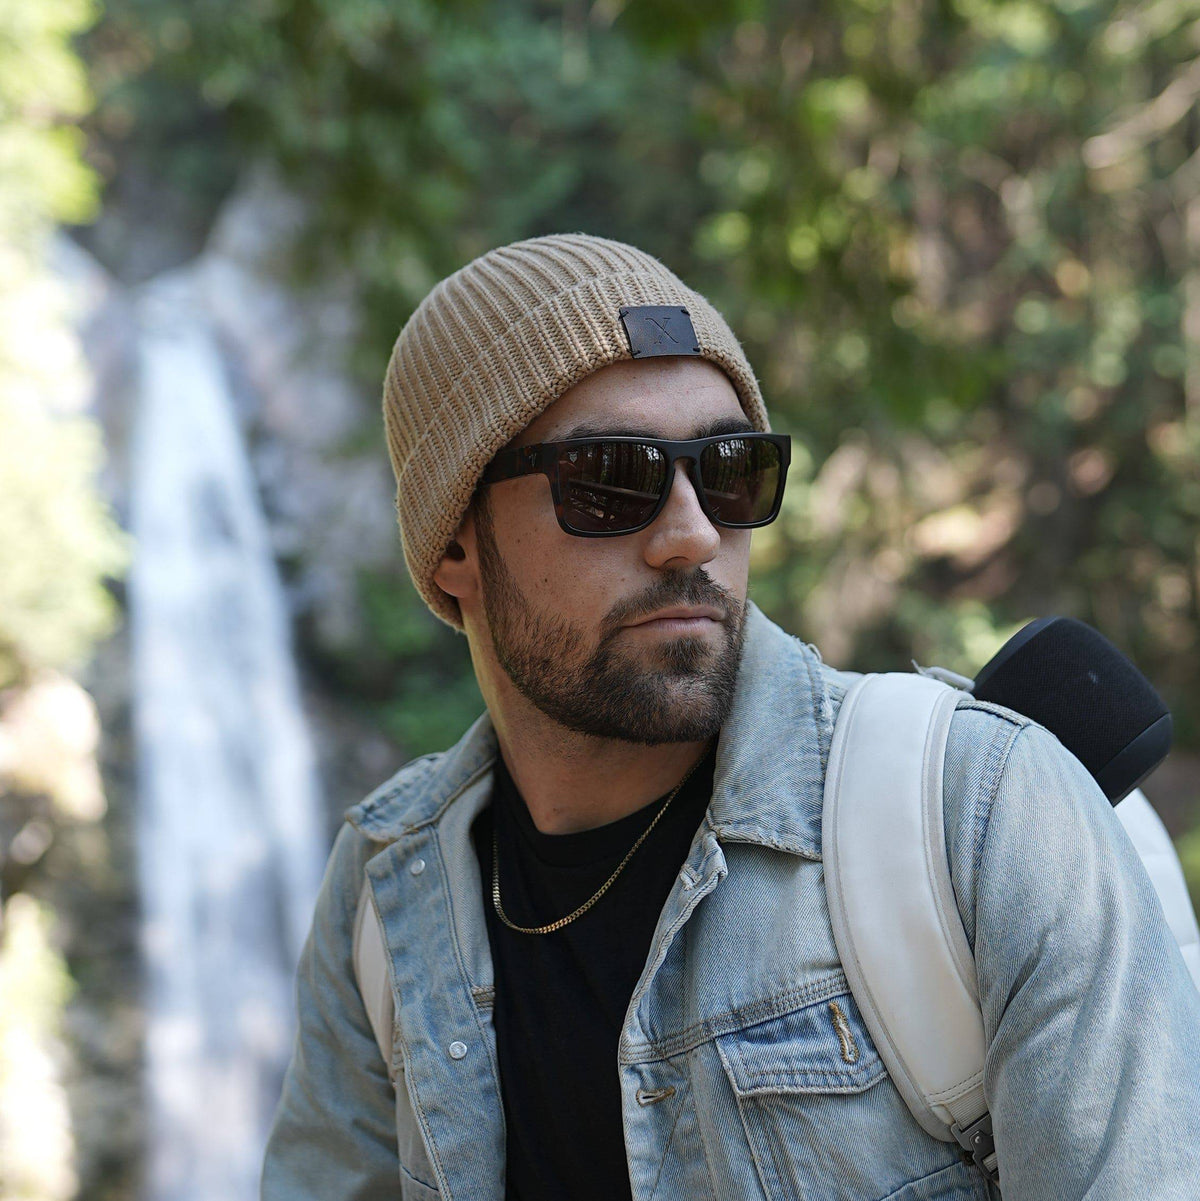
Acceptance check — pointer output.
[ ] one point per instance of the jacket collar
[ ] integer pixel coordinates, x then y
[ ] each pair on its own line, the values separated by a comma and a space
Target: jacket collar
771, 756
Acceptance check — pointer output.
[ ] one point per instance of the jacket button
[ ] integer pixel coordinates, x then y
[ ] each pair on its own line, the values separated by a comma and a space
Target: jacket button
457, 1050
417, 866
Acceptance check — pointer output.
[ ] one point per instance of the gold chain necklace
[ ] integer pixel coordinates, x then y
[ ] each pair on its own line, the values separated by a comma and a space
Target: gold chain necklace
563, 921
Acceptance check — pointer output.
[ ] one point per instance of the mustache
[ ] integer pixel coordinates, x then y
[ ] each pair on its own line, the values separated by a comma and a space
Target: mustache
693, 589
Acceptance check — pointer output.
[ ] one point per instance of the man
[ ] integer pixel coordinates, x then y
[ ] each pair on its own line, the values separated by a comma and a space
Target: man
604, 914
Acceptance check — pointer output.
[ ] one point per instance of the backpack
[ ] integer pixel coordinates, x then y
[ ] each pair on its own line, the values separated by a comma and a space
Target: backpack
892, 906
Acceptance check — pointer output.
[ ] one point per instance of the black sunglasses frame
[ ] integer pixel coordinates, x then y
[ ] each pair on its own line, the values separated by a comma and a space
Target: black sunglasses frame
542, 458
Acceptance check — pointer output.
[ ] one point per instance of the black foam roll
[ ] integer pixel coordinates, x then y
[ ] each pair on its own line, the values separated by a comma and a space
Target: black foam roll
1072, 680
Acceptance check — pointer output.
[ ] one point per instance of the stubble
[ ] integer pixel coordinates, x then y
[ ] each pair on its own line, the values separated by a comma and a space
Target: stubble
679, 690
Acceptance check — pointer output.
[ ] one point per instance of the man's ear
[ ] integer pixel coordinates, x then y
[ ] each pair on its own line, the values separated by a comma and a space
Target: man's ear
457, 572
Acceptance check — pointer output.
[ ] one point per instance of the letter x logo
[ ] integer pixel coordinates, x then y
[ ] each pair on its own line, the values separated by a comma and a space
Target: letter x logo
659, 329
663, 332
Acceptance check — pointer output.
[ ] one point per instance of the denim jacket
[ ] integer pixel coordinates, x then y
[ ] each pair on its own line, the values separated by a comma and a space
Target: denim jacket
745, 1068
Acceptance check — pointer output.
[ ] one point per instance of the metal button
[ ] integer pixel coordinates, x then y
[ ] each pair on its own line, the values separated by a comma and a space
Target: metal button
417, 867
457, 1050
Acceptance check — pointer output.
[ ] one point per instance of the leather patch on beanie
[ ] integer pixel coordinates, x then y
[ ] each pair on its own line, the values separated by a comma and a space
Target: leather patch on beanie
659, 329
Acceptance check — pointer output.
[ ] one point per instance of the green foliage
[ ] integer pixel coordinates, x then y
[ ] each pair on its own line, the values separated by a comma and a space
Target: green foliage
42, 84
420, 668
959, 241
948, 228
1189, 856
35, 986
424, 132
431, 709
58, 542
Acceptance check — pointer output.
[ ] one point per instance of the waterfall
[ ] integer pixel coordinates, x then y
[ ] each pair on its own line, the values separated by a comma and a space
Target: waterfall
230, 841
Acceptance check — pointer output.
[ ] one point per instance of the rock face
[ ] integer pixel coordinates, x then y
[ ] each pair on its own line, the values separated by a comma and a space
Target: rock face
316, 439
329, 504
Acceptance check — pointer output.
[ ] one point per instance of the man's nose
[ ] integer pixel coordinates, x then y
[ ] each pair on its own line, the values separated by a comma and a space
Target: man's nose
682, 535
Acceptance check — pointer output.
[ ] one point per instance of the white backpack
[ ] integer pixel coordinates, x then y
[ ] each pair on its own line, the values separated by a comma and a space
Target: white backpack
892, 905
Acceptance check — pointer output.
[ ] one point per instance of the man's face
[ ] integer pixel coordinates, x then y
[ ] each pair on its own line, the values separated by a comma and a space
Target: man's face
566, 615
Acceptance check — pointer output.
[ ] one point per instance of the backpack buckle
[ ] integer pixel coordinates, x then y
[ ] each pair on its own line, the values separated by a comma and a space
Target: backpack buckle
977, 1139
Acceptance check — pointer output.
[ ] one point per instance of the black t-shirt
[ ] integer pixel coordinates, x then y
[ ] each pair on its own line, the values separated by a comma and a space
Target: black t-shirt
561, 998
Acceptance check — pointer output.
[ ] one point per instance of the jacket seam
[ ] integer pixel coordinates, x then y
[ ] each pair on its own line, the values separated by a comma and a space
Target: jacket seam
433, 818
986, 824
822, 710
762, 1079
671, 1136
391, 788
756, 836
997, 759
1001, 761
431, 1147
764, 1178
978, 705
464, 975
739, 1018
701, 1130
436, 816
396, 1058
928, 1176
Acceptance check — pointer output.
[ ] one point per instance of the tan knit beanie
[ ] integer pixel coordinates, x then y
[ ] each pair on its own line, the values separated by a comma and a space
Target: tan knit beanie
493, 346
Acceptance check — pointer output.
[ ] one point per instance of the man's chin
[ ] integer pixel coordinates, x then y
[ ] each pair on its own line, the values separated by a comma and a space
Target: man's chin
686, 724
681, 654
667, 704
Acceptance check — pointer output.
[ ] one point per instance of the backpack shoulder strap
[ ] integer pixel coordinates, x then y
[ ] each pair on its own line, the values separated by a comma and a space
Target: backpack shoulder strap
891, 902
371, 974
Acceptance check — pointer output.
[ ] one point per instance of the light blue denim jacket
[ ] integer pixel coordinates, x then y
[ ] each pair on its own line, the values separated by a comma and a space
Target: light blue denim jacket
739, 1077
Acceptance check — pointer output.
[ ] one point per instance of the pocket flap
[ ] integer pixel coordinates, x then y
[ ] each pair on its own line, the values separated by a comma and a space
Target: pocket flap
821, 1048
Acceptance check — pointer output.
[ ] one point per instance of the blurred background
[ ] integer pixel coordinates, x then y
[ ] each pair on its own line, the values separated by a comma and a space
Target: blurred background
960, 240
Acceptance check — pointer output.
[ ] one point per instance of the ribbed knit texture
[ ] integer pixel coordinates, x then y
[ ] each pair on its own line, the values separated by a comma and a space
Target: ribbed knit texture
494, 345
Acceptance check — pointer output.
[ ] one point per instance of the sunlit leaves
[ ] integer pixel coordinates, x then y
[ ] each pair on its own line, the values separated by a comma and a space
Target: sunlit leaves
957, 240
58, 542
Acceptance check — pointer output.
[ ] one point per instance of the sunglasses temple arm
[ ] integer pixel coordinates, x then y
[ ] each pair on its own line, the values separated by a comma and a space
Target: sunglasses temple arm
509, 464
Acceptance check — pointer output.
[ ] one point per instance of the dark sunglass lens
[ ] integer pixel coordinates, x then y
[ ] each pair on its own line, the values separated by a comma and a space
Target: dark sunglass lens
608, 487
741, 479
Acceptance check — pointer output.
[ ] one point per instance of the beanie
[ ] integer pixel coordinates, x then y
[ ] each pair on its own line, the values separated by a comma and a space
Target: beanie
494, 345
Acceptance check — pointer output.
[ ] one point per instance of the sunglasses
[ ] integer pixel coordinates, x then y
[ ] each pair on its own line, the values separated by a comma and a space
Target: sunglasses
603, 487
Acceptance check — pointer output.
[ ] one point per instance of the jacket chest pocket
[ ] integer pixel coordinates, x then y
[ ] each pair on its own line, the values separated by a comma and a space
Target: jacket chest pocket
823, 1121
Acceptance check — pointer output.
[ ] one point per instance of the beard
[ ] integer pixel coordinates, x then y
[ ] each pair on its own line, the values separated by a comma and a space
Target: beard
675, 690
